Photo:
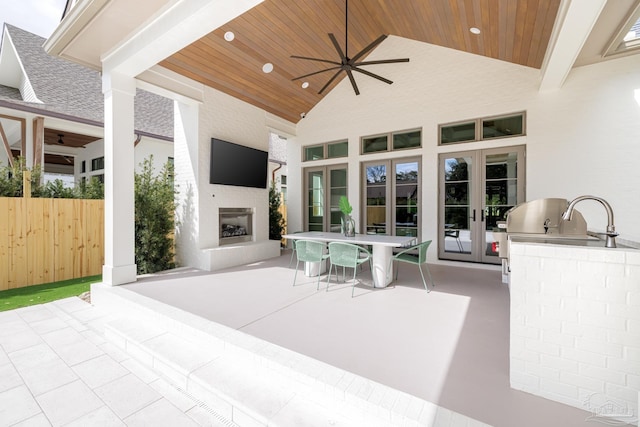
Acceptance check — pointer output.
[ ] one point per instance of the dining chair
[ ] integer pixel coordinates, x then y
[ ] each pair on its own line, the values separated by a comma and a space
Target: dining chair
309, 251
417, 255
293, 249
347, 255
455, 233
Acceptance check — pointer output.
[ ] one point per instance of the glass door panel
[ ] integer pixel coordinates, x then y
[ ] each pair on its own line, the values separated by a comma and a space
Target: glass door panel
406, 197
501, 190
457, 213
315, 200
337, 189
376, 199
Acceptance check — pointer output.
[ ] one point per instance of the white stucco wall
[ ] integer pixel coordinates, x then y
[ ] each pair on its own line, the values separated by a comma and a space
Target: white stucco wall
224, 117
580, 140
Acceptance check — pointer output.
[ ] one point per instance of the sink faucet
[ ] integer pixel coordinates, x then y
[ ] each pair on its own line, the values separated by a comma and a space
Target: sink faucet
611, 229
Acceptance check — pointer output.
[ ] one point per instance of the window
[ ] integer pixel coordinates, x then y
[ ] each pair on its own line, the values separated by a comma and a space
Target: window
399, 141
628, 36
392, 197
483, 128
459, 132
83, 166
330, 150
502, 127
97, 164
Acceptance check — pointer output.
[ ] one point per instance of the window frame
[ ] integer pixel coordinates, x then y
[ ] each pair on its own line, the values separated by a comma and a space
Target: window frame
325, 150
389, 136
479, 128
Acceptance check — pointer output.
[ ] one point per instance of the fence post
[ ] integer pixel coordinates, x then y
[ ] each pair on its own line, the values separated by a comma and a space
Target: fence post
26, 184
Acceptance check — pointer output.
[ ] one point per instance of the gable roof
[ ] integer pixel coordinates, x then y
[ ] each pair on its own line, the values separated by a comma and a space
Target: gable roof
57, 87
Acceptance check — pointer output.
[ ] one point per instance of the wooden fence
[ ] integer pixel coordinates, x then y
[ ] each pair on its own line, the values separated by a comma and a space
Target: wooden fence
47, 240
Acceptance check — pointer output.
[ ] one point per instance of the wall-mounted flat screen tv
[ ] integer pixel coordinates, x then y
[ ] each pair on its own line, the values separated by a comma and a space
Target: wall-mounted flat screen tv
233, 164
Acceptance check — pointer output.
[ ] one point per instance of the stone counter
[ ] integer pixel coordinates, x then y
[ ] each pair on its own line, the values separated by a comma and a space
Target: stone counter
575, 326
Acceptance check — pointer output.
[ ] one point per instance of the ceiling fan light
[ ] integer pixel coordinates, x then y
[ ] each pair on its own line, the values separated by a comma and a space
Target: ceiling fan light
229, 36
267, 68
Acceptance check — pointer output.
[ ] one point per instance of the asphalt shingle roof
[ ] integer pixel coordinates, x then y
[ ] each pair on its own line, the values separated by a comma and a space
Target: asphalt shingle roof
76, 91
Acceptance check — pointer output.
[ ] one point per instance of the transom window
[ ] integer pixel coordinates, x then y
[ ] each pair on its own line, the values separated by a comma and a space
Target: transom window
328, 150
399, 141
482, 128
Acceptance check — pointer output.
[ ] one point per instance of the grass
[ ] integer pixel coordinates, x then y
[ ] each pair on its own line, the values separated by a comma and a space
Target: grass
40, 294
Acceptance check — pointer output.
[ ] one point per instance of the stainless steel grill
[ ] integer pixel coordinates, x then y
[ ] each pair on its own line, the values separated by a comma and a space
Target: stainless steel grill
536, 220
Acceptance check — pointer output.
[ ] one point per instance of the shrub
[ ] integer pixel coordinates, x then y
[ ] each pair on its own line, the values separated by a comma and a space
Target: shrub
276, 220
154, 218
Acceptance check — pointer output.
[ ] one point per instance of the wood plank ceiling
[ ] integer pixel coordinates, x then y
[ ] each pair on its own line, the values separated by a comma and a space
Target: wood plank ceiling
517, 31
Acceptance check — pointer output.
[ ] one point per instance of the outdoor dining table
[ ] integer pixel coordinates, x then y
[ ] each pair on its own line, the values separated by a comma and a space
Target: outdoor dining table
381, 254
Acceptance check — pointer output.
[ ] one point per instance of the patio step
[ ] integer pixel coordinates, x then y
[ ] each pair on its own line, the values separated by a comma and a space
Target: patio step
250, 381
233, 386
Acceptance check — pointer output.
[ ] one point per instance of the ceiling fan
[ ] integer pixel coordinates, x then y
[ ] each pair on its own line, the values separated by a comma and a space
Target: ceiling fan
348, 64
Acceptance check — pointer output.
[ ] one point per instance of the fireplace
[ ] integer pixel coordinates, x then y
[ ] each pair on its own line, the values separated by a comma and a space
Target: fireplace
235, 225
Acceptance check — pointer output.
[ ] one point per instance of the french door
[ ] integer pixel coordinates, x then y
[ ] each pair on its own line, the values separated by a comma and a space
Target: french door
476, 190
323, 187
392, 197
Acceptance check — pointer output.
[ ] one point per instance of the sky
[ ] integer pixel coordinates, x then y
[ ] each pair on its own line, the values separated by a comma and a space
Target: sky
40, 17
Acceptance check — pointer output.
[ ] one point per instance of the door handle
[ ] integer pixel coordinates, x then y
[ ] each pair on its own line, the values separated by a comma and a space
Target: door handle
482, 215
474, 215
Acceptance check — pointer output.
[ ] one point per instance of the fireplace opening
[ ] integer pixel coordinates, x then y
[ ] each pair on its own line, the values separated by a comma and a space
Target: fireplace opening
235, 225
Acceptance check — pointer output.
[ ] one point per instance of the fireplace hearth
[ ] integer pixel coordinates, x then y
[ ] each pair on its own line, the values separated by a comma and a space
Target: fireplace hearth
235, 225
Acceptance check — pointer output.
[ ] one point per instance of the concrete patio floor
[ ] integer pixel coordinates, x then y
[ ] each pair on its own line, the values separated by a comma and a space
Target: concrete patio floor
449, 346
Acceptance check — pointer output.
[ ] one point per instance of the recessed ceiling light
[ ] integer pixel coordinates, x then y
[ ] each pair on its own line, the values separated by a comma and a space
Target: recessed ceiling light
228, 36
474, 30
305, 85
267, 68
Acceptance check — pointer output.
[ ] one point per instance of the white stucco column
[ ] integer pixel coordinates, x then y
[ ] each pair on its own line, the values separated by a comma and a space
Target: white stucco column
186, 158
119, 165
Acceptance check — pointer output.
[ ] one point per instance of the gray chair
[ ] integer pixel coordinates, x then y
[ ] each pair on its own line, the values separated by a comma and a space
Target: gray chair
417, 255
309, 251
347, 255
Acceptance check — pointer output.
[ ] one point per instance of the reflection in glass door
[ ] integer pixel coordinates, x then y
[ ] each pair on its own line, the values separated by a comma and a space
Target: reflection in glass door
322, 212
477, 188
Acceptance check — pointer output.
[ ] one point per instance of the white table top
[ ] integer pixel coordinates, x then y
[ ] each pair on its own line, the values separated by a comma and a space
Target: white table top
358, 239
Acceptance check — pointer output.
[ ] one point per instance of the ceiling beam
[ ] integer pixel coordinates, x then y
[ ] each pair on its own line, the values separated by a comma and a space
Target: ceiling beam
574, 23
173, 29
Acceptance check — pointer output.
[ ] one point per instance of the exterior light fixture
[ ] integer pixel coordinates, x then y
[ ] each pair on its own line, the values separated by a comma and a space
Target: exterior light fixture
60, 141
267, 68
305, 85
229, 36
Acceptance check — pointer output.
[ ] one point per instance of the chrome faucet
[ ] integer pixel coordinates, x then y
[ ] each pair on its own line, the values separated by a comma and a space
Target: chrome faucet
611, 229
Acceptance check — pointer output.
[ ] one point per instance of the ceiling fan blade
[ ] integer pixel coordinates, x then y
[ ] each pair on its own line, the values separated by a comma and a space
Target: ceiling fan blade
364, 51
382, 61
329, 82
336, 45
375, 76
314, 73
353, 82
316, 59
